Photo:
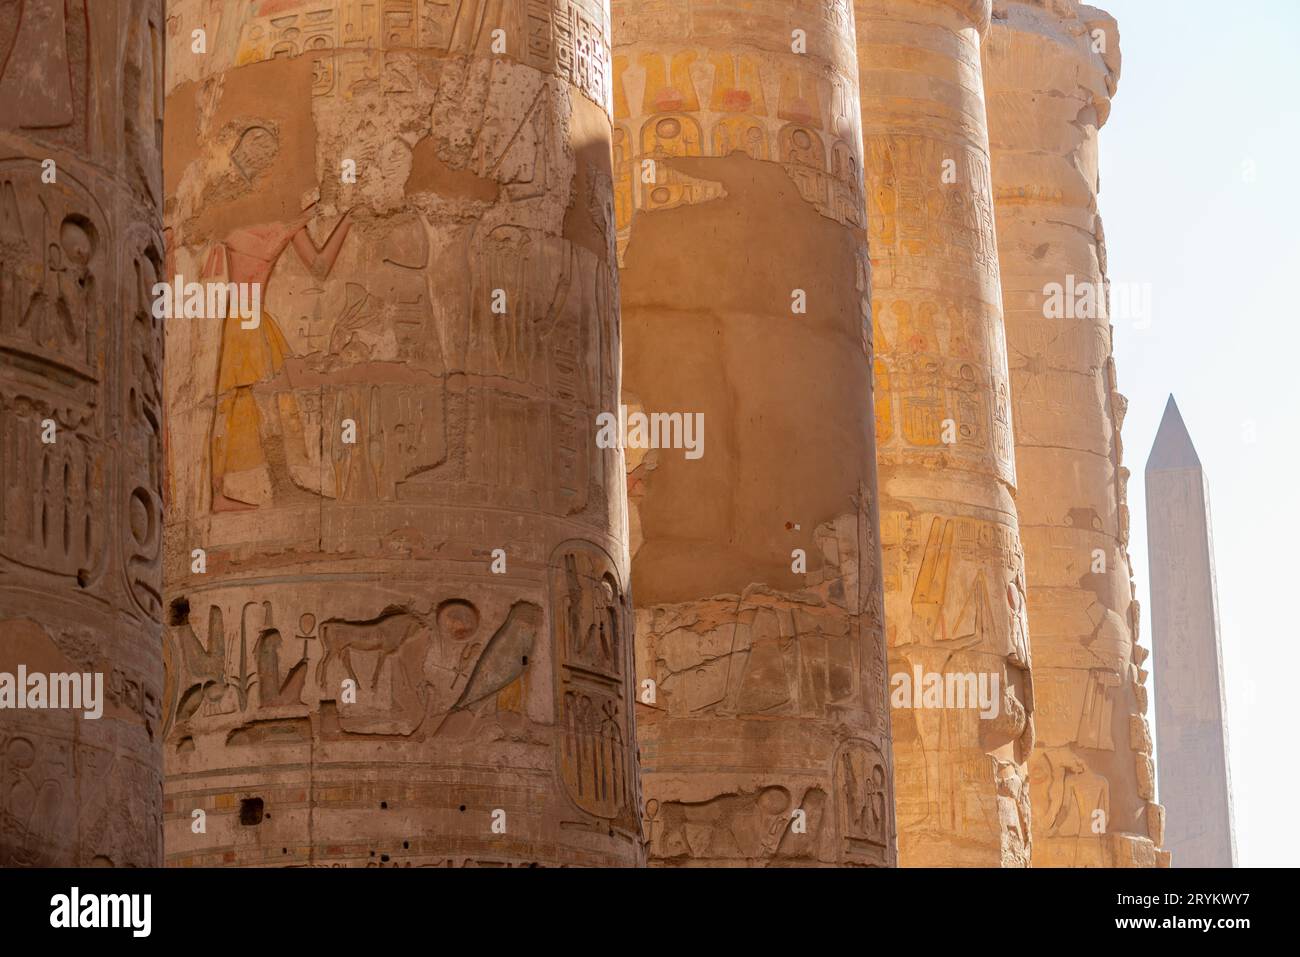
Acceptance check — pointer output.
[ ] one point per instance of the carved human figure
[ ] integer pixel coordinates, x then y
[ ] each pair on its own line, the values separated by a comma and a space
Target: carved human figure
252, 356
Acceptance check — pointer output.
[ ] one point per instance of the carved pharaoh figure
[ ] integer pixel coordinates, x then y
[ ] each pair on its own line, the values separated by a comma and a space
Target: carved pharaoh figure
253, 351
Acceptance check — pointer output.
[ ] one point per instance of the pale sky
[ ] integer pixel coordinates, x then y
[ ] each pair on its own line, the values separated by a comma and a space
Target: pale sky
1199, 169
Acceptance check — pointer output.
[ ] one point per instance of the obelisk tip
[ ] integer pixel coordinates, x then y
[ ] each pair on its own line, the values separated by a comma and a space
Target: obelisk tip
1173, 448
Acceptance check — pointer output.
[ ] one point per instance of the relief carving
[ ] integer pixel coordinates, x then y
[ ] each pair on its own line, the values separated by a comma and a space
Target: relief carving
593, 694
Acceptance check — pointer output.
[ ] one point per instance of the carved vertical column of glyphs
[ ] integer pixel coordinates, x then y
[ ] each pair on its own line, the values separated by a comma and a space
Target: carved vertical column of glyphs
80, 427
764, 733
953, 565
1050, 71
407, 640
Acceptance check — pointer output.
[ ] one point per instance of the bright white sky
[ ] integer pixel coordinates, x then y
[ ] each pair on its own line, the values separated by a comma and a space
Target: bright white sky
1199, 169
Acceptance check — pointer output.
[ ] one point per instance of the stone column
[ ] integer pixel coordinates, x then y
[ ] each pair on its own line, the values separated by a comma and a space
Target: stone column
1050, 72
760, 663
80, 433
954, 578
399, 623
1191, 706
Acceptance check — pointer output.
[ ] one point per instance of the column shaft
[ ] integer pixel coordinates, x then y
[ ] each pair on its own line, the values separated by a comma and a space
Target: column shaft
756, 564
1049, 76
953, 565
409, 641
81, 443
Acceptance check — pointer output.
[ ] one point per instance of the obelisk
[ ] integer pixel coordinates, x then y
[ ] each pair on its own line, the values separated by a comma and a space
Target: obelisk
80, 433
398, 616
1191, 706
762, 720
1049, 75
954, 569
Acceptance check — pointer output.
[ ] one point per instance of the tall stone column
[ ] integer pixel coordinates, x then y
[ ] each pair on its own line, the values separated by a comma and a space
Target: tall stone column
760, 662
399, 623
1191, 703
1050, 72
80, 433
954, 574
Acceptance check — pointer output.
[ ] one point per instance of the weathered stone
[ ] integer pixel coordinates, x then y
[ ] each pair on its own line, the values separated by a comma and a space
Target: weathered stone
763, 727
80, 433
953, 565
400, 621
1049, 73
1191, 715
411, 642
1156, 823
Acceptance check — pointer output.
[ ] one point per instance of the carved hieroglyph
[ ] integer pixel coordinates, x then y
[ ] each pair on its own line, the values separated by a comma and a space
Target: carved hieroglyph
1191, 705
953, 565
762, 721
80, 426
394, 477
1050, 72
